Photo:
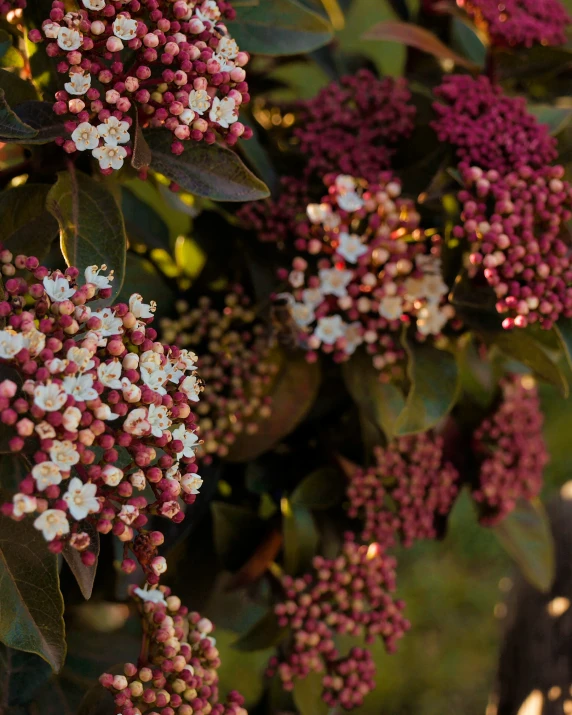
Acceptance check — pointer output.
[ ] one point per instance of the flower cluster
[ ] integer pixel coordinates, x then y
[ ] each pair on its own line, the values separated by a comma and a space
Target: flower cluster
400, 498
367, 272
349, 595
519, 23
512, 449
12, 6
235, 364
177, 671
515, 204
174, 62
99, 406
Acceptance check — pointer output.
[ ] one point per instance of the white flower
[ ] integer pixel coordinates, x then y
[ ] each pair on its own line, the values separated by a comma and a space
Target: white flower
208, 10
353, 336
81, 357
153, 596
51, 29
128, 514
23, 504
52, 523
94, 5
318, 213
79, 83
155, 379
81, 387
187, 116
137, 480
114, 132
391, 307
302, 314
329, 329
334, 281
191, 387
85, 137
172, 373
109, 373
191, 483
223, 111
111, 475
45, 430
103, 412
434, 287
125, 28
34, 340
69, 39
81, 499
350, 201
92, 276
158, 419
140, 309
345, 183
111, 325
350, 247
199, 100
312, 297
49, 397
431, 320
64, 454
226, 65
186, 360
71, 419
58, 287
227, 47
110, 157
10, 344
56, 365
189, 440
137, 423
46, 474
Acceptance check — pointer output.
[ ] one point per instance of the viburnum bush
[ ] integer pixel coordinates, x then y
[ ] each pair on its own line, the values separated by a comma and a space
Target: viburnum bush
231, 405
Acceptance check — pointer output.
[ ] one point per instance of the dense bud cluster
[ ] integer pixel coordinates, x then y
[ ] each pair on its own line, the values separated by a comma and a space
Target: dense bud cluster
100, 408
368, 270
400, 498
349, 595
512, 449
519, 23
177, 671
235, 364
515, 204
174, 62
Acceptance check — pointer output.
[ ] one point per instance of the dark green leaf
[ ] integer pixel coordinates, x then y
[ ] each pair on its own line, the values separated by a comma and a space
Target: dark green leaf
21, 674
279, 27
557, 118
466, 39
257, 156
293, 393
31, 605
475, 372
563, 329
263, 634
143, 223
11, 127
526, 536
211, 171
237, 532
300, 537
142, 277
98, 700
10, 57
319, 490
84, 575
434, 387
307, 695
16, 90
40, 116
91, 225
380, 402
26, 224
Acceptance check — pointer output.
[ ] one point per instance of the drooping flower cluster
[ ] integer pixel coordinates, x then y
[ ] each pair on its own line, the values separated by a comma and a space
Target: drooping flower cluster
98, 406
400, 498
515, 204
235, 364
177, 671
174, 62
512, 449
519, 23
350, 595
367, 272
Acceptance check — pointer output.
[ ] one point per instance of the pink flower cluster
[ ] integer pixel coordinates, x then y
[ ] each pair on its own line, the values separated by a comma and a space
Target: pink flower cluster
98, 406
512, 449
173, 62
400, 497
519, 23
368, 270
177, 671
349, 595
235, 364
515, 204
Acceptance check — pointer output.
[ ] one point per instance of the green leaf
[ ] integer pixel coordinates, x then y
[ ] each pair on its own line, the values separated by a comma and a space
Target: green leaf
434, 388
84, 575
380, 402
16, 90
11, 127
237, 532
293, 393
40, 116
307, 695
279, 27
143, 223
563, 330
465, 38
525, 534
211, 171
522, 346
26, 224
10, 57
258, 158
91, 225
300, 537
556, 118
21, 675
319, 490
265, 633
31, 605
475, 372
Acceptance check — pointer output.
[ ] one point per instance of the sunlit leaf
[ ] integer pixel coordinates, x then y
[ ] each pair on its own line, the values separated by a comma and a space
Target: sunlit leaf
308, 695
556, 118
26, 224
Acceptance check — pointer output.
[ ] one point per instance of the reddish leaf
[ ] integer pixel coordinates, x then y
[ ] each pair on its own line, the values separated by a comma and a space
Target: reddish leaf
84, 575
